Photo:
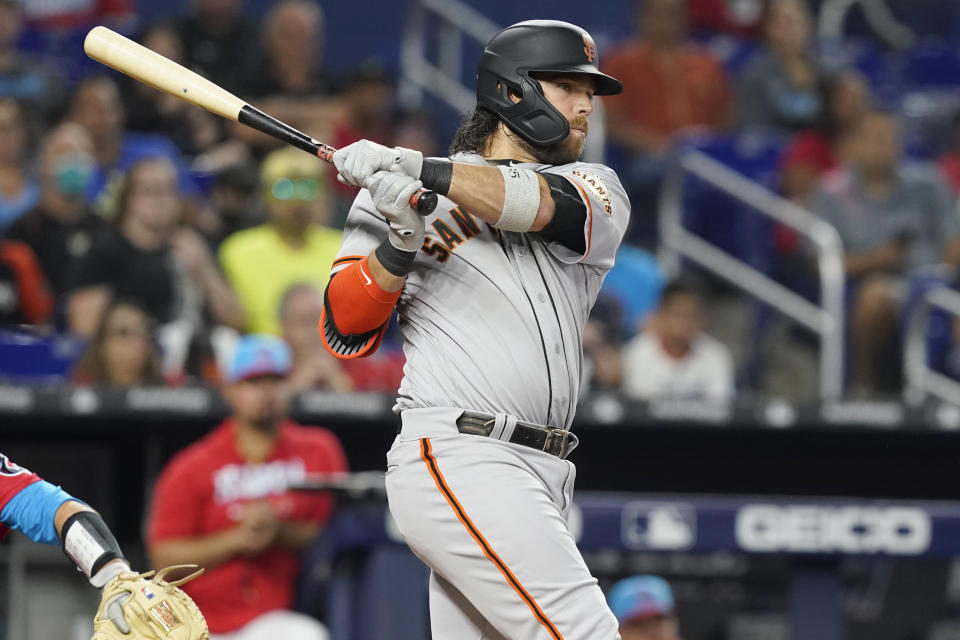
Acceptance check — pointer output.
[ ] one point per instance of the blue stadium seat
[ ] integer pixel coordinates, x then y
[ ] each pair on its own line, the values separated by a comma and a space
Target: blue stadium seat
940, 323
932, 66
361, 584
721, 218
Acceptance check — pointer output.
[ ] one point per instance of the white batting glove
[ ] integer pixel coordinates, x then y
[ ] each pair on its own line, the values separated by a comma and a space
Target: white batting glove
391, 194
359, 161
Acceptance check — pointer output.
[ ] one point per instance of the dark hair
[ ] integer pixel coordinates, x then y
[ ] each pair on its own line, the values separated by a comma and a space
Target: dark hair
474, 132
92, 368
828, 87
678, 287
122, 201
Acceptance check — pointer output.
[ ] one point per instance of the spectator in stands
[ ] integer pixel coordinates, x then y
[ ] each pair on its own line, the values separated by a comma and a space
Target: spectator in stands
368, 102
97, 107
778, 89
847, 98
644, 607
62, 228
225, 503
234, 204
292, 47
670, 84
293, 246
18, 189
147, 258
671, 87
27, 81
25, 297
289, 82
122, 352
313, 367
603, 346
218, 41
741, 18
673, 358
192, 130
892, 218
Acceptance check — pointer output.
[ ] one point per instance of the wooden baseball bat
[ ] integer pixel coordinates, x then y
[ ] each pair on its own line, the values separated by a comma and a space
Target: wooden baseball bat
149, 67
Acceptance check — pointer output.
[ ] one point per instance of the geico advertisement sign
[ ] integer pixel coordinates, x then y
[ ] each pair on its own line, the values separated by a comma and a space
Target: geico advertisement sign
765, 528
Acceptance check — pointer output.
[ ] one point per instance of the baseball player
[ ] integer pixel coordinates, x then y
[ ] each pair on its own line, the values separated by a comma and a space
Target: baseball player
493, 290
131, 606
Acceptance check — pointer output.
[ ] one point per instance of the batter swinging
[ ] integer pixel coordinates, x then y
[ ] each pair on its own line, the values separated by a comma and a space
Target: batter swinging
492, 290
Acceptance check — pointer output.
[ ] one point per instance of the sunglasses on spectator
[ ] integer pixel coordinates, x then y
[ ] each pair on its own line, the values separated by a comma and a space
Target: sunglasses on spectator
305, 189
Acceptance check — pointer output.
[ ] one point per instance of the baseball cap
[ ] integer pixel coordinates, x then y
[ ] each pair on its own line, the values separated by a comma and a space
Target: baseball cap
259, 354
640, 597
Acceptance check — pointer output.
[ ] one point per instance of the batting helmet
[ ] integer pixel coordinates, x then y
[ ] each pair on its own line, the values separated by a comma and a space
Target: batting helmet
529, 47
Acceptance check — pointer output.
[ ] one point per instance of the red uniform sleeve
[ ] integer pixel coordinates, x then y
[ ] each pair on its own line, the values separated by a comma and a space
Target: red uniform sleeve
13, 479
177, 505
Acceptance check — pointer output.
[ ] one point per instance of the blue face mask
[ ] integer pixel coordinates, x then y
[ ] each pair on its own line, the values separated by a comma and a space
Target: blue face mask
72, 175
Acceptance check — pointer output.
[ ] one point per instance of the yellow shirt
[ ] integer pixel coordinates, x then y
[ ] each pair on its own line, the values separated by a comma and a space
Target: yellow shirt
260, 267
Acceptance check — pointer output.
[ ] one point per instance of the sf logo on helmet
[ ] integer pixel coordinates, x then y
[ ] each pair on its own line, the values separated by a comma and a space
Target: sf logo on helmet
589, 48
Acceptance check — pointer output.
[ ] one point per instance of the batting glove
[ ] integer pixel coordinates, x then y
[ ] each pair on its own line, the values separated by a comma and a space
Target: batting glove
359, 161
391, 194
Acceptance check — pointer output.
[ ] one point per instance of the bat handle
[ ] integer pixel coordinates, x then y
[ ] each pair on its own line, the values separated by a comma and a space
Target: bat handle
423, 201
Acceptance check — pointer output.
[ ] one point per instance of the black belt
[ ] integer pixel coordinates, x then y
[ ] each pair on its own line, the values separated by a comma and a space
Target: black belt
556, 442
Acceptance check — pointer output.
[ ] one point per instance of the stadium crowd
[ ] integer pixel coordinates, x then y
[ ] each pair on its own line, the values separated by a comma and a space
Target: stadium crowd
159, 234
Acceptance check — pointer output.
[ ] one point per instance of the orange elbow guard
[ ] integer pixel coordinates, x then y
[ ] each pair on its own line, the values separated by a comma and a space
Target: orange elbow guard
355, 302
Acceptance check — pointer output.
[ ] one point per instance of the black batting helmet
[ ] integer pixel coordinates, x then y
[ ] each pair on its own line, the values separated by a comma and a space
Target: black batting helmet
528, 47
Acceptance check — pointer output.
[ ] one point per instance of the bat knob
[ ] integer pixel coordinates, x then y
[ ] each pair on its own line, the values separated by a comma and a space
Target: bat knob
424, 201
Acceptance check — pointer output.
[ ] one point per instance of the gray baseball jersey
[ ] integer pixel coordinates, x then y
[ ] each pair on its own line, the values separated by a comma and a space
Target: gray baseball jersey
492, 320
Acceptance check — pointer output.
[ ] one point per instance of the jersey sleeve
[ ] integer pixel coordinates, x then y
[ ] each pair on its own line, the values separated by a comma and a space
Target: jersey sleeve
364, 230
608, 211
13, 479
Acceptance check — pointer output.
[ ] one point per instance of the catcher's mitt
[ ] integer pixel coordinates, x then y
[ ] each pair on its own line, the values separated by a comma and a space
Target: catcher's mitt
133, 607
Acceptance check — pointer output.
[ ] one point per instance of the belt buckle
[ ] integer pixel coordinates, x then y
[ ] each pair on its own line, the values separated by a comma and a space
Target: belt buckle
552, 435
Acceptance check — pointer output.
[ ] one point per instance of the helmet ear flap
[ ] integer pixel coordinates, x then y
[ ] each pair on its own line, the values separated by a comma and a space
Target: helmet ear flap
533, 118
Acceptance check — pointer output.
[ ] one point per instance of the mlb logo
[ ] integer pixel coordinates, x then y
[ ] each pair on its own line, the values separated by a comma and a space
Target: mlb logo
659, 526
147, 593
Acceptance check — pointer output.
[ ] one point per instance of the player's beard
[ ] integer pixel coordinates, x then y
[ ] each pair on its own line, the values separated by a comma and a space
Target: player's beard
564, 152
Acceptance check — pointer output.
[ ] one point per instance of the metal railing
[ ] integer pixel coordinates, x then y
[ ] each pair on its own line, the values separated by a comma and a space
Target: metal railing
442, 79
921, 380
455, 24
826, 318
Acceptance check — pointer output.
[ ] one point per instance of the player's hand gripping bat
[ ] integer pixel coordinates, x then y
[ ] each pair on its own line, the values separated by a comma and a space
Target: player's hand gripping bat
149, 67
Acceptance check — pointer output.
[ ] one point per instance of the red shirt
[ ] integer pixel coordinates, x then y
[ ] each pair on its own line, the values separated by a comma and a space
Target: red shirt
666, 93
199, 493
12, 480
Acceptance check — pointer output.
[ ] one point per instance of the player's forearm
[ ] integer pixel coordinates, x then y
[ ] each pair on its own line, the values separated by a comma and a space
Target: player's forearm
384, 279
481, 191
67, 509
206, 551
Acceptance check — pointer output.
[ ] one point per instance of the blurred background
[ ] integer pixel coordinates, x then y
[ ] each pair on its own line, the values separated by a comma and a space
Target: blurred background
768, 425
